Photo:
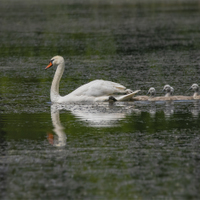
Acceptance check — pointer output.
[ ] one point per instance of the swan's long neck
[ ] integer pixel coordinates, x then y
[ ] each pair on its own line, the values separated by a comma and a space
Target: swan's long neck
55, 83
195, 94
167, 94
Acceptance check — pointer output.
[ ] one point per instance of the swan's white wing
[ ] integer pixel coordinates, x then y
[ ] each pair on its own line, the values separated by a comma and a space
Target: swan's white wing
99, 88
127, 96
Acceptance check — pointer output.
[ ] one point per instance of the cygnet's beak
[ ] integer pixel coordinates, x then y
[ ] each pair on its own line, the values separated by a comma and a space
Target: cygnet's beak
189, 89
49, 65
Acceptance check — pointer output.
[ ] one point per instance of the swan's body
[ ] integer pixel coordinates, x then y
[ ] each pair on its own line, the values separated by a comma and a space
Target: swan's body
195, 88
98, 90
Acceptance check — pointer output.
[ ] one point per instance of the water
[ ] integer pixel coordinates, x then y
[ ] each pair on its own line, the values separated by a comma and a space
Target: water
127, 150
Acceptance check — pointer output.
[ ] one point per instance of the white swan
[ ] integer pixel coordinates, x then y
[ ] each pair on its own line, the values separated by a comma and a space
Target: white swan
151, 92
195, 88
97, 90
169, 92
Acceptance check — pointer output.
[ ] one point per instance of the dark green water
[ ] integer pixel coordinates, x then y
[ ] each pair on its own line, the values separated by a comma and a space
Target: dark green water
99, 151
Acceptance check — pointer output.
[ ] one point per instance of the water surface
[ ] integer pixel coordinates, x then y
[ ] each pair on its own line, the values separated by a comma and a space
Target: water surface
133, 150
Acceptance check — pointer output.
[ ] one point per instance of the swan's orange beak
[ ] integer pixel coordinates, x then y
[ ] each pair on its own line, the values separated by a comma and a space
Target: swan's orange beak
49, 65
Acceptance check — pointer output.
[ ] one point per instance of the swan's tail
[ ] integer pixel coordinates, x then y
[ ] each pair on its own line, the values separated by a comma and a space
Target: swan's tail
127, 96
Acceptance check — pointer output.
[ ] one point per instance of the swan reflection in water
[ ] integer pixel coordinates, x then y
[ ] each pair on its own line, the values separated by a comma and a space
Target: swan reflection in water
195, 110
60, 140
94, 115
99, 114
167, 107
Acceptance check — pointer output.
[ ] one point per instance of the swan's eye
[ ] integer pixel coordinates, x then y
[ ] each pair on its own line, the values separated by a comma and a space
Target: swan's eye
51, 61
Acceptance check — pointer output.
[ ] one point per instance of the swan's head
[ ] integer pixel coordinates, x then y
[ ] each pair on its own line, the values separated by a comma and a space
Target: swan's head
55, 61
152, 91
194, 87
167, 88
